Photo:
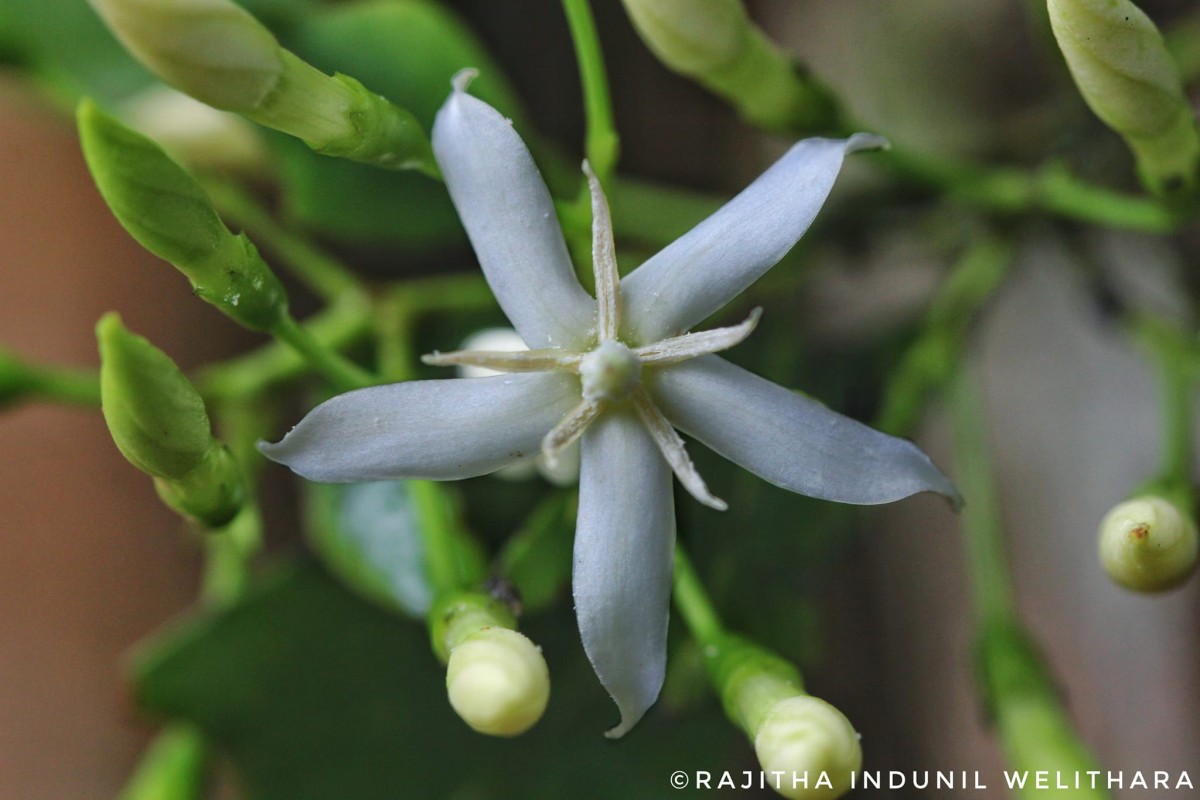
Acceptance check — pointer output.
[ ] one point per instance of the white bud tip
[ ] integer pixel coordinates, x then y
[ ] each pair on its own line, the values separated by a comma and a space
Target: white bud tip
498, 682
807, 749
1148, 544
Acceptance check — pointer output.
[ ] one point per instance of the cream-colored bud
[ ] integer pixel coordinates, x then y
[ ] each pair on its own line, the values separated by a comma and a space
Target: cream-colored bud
498, 682
1124, 72
195, 133
213, 50
808, 749
1148, 544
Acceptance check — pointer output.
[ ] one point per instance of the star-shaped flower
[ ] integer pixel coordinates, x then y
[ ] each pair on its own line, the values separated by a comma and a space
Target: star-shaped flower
621, 373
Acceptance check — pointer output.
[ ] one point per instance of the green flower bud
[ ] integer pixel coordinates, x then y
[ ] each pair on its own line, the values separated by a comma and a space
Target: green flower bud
169, 214
715, 43
498, 682
159, 424
1148, 544
812, 744
1124, 72
218, 53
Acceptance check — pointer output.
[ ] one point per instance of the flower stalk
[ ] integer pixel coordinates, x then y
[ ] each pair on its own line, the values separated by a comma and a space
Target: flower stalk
1018, 689
795, 735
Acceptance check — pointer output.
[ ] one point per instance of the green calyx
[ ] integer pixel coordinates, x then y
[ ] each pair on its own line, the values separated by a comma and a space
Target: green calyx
750, 679
159, 423
458, 615
167, 211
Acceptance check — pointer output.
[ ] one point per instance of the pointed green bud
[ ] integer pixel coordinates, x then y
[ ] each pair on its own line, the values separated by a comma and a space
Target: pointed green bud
169, 214
1123, 70
715, 43
1148, 544
498, 682
496, 679
806, 747
219, 54
159, 423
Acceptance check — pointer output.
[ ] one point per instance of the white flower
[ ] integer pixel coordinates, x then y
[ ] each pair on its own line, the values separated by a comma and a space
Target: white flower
621, 373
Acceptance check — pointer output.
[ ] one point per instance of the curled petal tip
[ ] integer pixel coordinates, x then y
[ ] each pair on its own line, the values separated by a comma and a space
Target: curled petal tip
866, 141
462, 79
628, 721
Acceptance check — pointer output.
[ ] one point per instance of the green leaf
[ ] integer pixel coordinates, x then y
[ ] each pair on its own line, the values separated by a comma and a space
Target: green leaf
71, 49
369, 535
537, 558
318, 695
406, 50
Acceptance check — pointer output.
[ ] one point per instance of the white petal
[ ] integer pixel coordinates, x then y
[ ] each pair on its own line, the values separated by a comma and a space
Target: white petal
624, 541
791, 440
441, 430
715, 261
509, 216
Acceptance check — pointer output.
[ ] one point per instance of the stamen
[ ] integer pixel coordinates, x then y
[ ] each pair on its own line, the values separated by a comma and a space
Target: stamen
604, 260
690, 345
673, 449
519, 361
568, 430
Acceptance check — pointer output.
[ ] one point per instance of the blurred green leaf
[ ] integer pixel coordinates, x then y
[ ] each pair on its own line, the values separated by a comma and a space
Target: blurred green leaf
69, 47
407, 50
318, 695
537, 558
368, 534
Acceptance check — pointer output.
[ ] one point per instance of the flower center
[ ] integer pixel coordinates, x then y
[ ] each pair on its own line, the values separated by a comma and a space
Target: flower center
609, 372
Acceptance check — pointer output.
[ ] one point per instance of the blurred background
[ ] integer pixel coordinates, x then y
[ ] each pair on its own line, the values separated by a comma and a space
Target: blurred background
873, 606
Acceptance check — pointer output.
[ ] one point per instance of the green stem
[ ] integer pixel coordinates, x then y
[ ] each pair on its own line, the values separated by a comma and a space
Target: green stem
63, 385
337, 327
342, 373
932, 358
322, 273
1050, 190
986, 561
1173, 351
693, 602
602, 144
